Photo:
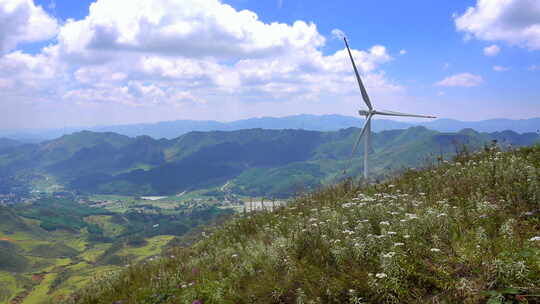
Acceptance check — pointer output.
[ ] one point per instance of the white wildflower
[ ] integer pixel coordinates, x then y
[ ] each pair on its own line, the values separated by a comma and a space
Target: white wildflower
381, 275
389, 254
435, 250
399, 244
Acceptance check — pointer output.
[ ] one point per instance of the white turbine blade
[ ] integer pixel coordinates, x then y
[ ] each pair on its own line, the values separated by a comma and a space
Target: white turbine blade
360, 84
392, 113
359, 138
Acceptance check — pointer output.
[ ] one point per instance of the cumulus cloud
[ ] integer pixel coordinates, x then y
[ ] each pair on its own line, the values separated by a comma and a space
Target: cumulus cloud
516, 22
461, 80
403, 52
193, 54
23, 21
189, 28
498, 68
34, 76
491, 50
209, 48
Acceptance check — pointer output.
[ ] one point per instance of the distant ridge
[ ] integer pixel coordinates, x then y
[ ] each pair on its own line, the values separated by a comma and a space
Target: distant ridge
173, 129
8, 143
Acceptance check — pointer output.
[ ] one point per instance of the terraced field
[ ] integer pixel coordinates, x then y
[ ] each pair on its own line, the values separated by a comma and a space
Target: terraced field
54, 246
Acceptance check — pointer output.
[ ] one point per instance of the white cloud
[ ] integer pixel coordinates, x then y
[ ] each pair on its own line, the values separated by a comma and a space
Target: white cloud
534, 67
142, 55
33, 76
498, 68
259, 62
446, 65
403, 52
188, 28
516, 22
441, 93
23, 21
491, 50
461, 80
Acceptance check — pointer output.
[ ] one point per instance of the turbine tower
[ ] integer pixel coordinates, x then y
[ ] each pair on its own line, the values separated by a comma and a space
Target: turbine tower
369, 113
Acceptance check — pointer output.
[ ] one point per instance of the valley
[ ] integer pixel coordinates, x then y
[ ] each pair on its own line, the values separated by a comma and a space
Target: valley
54, 244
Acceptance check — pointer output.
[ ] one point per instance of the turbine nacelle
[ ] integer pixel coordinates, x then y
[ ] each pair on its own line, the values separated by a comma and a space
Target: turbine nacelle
364, 112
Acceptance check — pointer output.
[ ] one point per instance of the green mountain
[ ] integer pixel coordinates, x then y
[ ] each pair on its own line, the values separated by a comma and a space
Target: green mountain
257, 162
465, 231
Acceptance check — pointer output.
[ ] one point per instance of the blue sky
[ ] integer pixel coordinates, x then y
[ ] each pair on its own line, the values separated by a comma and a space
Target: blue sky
64, 64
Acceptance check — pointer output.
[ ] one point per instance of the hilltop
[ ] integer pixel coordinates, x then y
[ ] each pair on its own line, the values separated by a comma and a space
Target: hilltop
254, 162
466, 231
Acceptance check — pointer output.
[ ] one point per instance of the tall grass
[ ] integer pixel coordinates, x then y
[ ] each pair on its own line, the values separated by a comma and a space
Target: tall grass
466, 231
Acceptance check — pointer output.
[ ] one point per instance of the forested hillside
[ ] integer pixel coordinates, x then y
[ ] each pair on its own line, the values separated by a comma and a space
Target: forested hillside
256, 162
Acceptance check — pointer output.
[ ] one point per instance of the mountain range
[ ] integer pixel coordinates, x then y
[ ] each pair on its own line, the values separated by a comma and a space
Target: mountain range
255, 162
173, 129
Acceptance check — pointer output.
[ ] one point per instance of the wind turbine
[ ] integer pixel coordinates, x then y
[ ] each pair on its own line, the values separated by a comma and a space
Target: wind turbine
369, 113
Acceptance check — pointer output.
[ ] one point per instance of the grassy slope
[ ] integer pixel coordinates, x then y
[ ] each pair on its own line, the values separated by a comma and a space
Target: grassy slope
464, 232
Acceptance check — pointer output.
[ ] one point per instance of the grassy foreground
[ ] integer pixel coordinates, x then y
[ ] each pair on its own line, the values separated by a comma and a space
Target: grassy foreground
462, 232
